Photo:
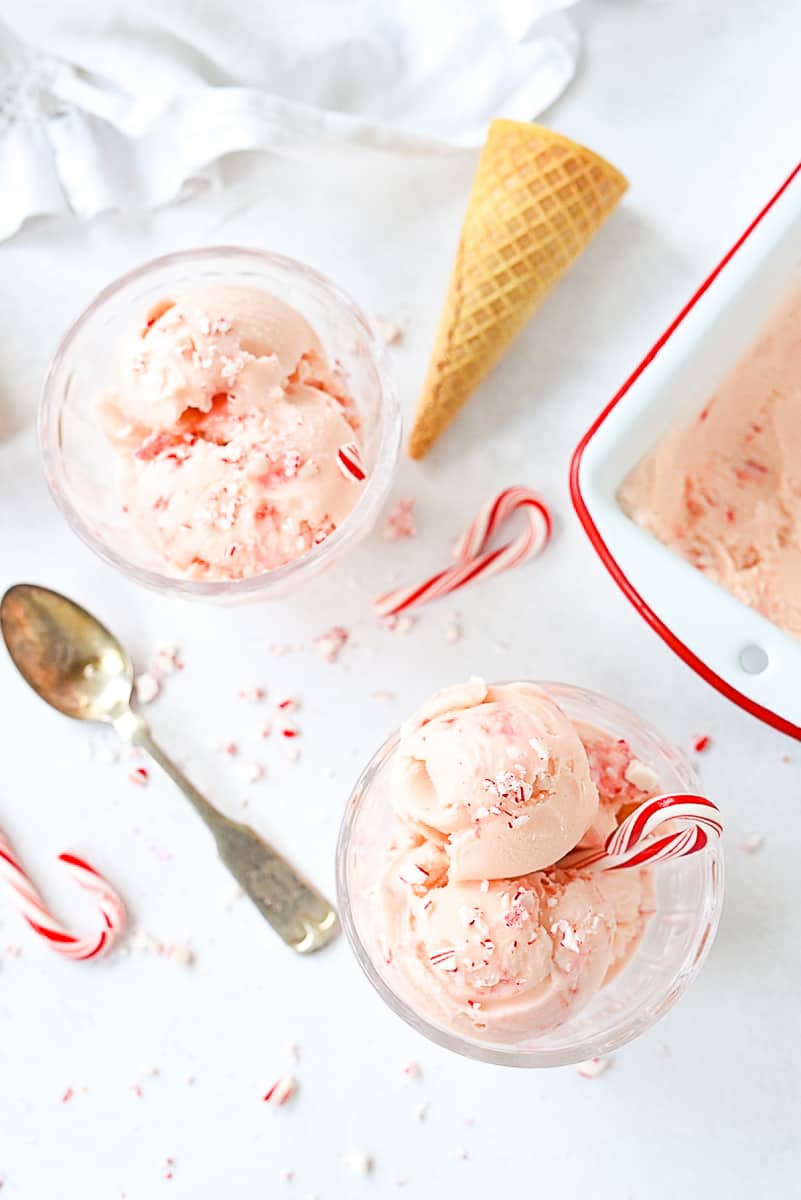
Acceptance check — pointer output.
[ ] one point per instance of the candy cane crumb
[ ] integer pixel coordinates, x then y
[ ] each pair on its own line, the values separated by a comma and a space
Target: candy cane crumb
592, 1068
454, 630
358, 1161
281, 1091
331, 644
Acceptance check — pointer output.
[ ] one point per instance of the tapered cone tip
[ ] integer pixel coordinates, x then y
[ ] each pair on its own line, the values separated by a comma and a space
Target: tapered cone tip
537, 199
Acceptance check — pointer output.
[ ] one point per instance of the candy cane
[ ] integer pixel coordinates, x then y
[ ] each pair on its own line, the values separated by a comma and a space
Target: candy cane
33, 908
473, 560
349, 461
636, 842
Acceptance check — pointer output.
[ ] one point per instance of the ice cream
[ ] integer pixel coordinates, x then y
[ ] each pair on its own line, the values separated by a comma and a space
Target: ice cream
500, 773
228, 421
480, 927
622, 780
724, 490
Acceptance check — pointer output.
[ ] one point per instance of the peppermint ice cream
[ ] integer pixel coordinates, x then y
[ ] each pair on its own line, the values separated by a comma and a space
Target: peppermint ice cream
500, 774
724, 490
483, 929
228, 421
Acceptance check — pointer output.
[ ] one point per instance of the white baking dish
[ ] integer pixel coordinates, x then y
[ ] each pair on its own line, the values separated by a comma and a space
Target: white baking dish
743, 655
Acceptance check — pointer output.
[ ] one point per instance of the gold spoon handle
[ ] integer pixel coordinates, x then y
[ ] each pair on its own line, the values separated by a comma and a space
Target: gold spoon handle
296, 911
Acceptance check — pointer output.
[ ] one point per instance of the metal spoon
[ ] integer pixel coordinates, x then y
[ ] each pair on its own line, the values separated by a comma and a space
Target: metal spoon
78, 667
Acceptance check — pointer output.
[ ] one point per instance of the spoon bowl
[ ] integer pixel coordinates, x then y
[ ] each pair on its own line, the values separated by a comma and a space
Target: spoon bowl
65, 654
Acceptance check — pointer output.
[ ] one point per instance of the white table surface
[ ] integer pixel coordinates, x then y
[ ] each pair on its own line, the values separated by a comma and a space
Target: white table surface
698, 103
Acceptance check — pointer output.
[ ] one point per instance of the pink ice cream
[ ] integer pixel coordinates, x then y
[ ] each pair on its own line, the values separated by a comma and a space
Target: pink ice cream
513, 957
228, 418
622, 780
478, 938
724, 491
500, 774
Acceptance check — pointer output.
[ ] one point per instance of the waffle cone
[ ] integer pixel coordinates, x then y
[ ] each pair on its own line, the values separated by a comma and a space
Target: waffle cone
536, 201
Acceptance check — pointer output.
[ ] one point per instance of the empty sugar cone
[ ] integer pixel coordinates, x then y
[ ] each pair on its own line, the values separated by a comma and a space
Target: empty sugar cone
536, 201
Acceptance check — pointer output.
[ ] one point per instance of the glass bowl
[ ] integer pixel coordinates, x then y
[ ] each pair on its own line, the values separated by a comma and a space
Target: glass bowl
80, 466
688, 898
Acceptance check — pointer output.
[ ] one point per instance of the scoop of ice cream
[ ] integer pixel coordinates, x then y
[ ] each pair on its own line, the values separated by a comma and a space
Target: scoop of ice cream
511, 958
499, 774
228, 422
724, 489
190, 349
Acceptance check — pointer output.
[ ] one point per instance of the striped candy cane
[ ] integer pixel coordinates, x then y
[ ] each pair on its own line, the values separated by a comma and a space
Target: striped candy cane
473, 560
41, 921
637, 842
349, 461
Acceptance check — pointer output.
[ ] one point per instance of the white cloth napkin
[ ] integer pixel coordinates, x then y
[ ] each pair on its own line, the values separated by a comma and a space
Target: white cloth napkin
123, 106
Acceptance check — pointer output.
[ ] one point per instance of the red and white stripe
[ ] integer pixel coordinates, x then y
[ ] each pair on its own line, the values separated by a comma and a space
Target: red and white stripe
42, 922
281, 1091
637, 842
349, 461
473, 559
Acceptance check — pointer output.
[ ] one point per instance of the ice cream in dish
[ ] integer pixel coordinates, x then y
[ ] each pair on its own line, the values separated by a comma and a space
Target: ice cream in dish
499, 774
724, 489
473, 914
230, 425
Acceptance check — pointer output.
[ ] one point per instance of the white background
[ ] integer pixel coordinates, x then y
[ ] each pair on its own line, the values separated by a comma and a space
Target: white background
698, 104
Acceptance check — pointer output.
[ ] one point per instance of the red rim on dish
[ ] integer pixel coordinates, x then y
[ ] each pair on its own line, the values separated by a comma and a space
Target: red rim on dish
591, 529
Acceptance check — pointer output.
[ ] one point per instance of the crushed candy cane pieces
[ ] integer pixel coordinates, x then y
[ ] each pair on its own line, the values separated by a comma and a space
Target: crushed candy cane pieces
281, 1091
753, 843
400, 522
400, 624
592, 1067
641, 776
139, 776
454, 630
331, 644
702, 743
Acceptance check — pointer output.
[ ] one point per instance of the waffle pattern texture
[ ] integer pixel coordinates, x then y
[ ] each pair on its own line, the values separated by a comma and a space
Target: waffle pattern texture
536, 201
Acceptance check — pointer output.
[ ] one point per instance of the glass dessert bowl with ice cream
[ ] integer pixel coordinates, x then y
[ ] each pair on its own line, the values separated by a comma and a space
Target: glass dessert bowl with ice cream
220, 423
467, 888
